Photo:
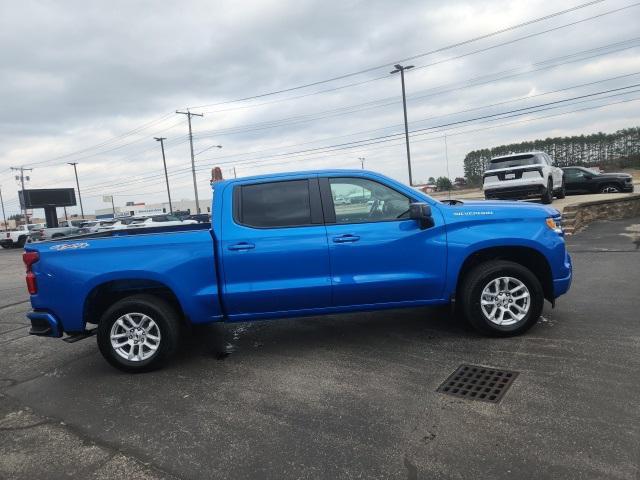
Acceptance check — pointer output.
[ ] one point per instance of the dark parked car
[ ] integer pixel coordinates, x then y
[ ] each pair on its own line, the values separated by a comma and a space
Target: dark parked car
583, 180
200, 218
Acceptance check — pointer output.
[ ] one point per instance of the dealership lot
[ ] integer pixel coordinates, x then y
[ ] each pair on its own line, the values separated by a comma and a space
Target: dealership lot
349, 396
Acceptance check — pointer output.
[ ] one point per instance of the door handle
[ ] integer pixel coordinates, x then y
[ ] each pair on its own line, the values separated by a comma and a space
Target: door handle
241, 246
348, 238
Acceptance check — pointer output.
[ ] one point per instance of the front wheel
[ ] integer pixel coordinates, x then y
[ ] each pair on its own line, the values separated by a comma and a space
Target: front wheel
611, 188
139, 333
562, 192
501, 298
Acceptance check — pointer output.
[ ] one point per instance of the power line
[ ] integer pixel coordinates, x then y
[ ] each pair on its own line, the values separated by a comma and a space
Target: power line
388, 101
123, 135
413, 57
418, 132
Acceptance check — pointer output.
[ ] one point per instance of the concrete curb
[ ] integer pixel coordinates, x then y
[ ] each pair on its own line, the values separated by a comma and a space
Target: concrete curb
577, 216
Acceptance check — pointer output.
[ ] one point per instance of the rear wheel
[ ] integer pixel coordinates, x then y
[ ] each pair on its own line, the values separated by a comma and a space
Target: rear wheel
610, 188
139, 333
547, 196
501, 298
21, 241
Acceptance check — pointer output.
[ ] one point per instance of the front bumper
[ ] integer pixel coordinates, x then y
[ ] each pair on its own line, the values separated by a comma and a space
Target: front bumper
562, 285
7, 242
627, 187
44, 324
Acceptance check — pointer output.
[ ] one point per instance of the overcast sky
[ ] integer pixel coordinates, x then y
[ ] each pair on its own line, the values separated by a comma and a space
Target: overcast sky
94, 82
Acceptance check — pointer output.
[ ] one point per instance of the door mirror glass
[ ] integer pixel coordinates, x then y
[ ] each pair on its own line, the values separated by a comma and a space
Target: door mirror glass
421, 212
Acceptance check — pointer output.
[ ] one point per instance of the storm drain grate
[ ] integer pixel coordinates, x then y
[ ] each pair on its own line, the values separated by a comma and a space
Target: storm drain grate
478, 383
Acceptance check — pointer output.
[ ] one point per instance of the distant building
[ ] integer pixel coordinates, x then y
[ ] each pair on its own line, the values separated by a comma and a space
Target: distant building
135, 209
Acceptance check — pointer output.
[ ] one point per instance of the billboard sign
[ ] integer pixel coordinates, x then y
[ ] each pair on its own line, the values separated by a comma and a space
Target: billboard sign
47, 197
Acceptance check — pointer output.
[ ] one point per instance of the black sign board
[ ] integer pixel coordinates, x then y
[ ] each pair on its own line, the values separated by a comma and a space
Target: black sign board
47, 197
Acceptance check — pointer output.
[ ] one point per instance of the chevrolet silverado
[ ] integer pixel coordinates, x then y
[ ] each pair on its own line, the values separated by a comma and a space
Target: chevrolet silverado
280, 246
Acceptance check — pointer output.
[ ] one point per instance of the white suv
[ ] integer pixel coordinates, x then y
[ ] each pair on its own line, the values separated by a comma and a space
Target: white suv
523, 175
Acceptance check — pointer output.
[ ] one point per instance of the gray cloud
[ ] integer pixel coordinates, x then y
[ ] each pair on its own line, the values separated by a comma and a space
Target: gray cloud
76, 74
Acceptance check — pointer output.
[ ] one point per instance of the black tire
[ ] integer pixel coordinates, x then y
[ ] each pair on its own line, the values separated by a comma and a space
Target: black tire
479, 277
21, 241
57, 235
547, 196
610, 188
167, 321
562, 192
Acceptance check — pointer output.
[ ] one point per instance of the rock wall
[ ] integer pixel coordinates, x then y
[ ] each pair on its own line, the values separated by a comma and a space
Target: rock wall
577, 217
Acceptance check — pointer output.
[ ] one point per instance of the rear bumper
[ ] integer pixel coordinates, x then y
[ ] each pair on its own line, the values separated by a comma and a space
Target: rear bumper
515, 191
44, 324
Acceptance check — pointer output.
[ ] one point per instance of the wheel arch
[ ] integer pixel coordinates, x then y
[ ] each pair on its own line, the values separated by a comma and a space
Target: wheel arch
526, 256
107, 293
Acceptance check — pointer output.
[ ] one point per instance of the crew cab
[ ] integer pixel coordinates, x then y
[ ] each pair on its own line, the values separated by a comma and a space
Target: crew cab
585, 180
15, 238
523, 175
279, 246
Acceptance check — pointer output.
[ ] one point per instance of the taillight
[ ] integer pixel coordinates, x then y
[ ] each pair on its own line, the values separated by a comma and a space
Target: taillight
29, 258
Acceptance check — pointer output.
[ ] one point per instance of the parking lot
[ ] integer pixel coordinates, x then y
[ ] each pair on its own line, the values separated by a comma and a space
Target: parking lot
348, 396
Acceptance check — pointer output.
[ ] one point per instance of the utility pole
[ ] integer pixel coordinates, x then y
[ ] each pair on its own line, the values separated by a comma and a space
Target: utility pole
193, 162
6, 227
401, 69
234, 173
361, 162
24, 199
164, 162
75, 169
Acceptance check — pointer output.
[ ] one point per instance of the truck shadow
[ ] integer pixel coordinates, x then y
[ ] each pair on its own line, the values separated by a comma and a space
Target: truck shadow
384, 330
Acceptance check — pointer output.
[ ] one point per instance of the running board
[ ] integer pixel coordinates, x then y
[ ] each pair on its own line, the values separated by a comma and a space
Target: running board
76, 337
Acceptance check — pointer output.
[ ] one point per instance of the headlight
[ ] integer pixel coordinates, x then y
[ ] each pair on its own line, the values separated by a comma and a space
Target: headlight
553, 225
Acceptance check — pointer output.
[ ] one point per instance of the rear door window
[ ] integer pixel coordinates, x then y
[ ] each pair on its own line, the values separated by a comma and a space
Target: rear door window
275, 204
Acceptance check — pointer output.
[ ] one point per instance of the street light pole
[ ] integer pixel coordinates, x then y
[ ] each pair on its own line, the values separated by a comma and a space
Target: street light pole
75, 169
166, 177
361, 162
193, 162
401, 69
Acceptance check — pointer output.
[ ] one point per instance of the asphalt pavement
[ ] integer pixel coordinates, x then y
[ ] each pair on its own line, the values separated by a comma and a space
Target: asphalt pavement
344, 396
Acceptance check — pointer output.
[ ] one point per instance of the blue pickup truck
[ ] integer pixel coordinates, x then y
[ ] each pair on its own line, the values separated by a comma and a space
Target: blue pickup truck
289, 245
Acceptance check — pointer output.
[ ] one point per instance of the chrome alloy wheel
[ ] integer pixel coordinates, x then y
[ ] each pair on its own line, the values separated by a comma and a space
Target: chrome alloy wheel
135, 337
610, 189
505, 301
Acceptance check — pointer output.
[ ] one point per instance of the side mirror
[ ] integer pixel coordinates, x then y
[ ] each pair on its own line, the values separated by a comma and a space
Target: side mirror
422, 213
